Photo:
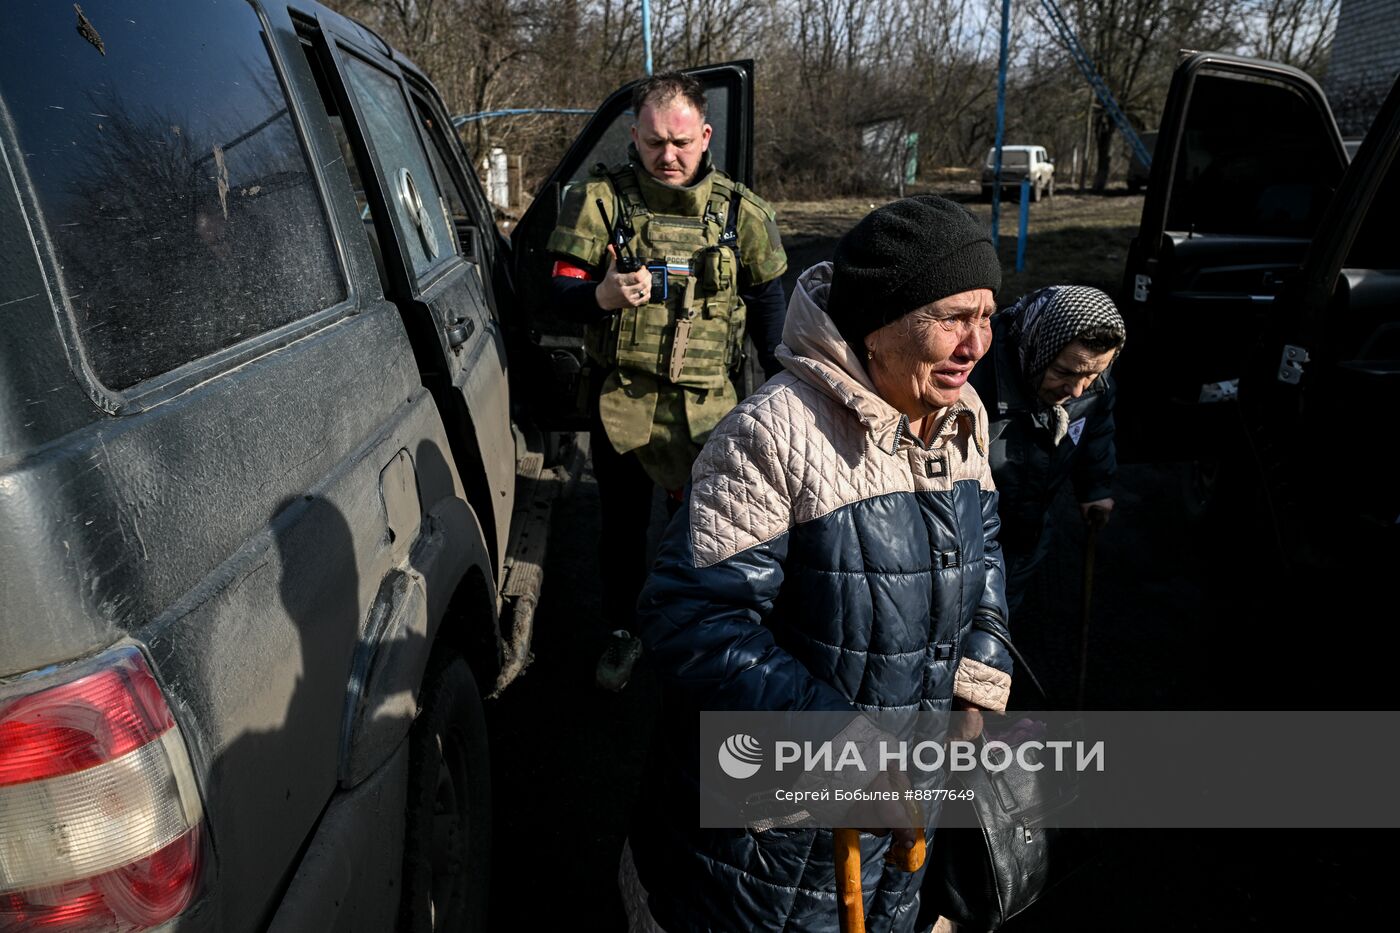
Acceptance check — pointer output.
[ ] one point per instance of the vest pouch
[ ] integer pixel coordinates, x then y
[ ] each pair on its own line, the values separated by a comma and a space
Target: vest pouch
627, 407
715, 268
643, 338
665, 234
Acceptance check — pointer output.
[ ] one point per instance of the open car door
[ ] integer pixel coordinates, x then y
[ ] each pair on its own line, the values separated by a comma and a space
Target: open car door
1321, 397
551, 346
1247, 159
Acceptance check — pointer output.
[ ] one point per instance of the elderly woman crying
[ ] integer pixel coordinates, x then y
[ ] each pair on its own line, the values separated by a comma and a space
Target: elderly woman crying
837, 551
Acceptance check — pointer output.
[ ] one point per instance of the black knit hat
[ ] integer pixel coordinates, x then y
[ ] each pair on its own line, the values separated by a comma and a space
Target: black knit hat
905, 255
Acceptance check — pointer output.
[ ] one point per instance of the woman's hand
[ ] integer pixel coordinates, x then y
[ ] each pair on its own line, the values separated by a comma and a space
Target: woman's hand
1096, 513
967, 721
903, 819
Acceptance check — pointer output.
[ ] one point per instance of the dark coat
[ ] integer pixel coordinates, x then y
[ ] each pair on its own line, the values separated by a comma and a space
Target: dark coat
1029, 468
824, 560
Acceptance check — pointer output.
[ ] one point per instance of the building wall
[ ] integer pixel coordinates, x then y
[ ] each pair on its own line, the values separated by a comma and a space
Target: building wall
1364, 62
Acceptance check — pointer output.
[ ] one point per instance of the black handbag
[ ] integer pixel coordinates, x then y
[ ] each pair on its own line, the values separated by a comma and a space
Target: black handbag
983, 876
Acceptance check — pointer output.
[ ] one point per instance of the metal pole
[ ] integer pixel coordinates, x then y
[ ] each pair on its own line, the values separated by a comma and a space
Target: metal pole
646, 31
1021, 230
1088, 137
1001, 117
462, 119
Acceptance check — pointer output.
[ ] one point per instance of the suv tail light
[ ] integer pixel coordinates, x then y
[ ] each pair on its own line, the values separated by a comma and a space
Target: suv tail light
100, 818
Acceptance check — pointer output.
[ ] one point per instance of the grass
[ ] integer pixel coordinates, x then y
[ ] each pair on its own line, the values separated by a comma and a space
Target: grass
1071, 239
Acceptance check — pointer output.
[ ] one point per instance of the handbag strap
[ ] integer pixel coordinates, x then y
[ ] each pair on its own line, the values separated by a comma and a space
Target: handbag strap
1018, 658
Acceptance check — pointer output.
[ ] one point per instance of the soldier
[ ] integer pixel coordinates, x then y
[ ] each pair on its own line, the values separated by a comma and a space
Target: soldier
662, 339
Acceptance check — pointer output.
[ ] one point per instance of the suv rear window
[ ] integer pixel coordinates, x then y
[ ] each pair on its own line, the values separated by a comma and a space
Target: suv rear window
183, 212
1014, 158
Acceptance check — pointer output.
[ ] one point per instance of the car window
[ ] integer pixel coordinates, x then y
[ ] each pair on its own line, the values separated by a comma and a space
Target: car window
1375, 243
1256, 158
353, 174
612, 143
181, 207
402, 164
454, 201
610, 147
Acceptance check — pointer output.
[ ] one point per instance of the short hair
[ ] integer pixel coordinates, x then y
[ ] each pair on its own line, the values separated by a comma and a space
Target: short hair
660, 89
1101, 338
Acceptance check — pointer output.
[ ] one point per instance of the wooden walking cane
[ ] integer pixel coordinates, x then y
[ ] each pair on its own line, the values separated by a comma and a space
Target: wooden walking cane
1097, 518
850, 898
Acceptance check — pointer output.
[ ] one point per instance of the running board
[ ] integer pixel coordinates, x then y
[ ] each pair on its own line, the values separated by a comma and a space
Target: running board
536, 491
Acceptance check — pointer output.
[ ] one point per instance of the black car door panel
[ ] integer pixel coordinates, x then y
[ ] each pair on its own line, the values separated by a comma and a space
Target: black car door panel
426, 223
1247, 159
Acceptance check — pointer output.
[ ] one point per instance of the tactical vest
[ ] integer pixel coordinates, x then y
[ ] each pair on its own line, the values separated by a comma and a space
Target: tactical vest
691, 337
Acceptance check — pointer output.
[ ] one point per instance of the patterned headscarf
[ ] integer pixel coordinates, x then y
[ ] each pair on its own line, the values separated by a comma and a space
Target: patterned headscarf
1047, 320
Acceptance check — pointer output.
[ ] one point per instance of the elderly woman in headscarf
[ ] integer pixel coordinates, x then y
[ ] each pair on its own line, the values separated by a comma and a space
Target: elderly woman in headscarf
837, 551
1047, 387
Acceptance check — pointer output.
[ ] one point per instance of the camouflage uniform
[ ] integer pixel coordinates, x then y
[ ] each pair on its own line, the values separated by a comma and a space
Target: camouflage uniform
661, 394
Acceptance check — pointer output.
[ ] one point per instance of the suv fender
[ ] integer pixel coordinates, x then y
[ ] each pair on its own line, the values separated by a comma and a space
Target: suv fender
444, 589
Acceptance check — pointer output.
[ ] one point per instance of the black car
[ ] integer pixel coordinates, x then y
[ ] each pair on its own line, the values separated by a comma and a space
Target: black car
1262, 295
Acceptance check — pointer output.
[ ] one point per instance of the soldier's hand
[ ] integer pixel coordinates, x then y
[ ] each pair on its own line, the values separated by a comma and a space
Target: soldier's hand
622, 289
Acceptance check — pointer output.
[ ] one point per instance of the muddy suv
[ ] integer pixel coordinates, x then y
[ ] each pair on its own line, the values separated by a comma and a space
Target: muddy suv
1018, 163
273, 486
1262, 297
261, 489
269, 522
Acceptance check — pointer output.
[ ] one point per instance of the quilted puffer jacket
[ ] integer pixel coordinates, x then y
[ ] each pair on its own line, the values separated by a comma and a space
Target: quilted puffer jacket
825, 560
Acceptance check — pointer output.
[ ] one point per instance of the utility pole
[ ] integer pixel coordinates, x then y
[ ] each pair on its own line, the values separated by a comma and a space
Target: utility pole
646, 32
1001, 119
1088, 135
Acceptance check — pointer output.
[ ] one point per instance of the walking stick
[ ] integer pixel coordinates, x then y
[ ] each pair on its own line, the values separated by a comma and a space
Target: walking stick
1097, 519
850, 899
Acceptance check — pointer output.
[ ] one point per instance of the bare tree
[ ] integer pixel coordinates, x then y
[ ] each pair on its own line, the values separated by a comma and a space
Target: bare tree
829, 70
1133, 45
1295, 32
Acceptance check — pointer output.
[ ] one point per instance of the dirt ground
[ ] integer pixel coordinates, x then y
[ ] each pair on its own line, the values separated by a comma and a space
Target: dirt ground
1072, 239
